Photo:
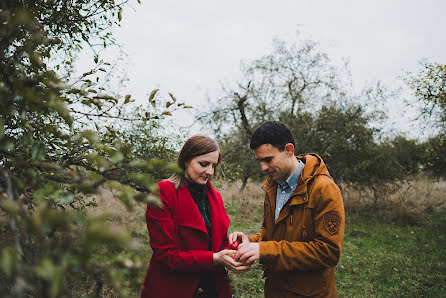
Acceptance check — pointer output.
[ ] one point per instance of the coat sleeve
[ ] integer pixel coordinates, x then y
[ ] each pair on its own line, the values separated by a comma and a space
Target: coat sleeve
163, 238
324, 250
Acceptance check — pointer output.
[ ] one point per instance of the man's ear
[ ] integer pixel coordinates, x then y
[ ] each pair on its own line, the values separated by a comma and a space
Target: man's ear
289, 149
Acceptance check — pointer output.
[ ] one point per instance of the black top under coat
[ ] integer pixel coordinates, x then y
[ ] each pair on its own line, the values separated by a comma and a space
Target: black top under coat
199, 194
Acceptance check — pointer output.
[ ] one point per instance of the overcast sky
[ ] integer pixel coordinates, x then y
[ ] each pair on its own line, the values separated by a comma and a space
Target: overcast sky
189, 47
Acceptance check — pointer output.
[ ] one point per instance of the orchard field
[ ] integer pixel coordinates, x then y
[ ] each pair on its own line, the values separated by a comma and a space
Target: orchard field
399, 252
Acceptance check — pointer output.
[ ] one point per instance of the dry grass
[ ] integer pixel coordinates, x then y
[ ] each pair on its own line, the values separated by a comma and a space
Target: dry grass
121, 217
407, 202
244, 208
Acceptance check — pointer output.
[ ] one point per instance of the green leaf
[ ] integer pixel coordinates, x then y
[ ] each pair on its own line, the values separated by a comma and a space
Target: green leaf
93, 203
153, 200
96, 59
10, 207
90, 135
167, 113
173, 97
99, 232
60, 220
38, 152
80, 217
157, 163
138, 163
125, 199
8, 260
120, 14
127, 99
173, 167
61, 109
52, 273
117, 157
7, 145
152, 95
66, 198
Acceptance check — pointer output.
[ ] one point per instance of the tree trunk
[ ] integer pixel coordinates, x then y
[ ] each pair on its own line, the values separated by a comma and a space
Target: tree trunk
244, 182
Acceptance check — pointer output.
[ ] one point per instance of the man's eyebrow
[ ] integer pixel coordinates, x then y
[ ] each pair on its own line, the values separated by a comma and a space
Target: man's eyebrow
262, 159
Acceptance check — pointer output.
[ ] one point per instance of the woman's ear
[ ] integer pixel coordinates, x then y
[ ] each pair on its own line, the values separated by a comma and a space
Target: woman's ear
289, 149
186, 164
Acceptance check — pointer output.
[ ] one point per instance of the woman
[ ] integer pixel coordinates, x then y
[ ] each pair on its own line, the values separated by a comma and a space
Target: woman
188, 234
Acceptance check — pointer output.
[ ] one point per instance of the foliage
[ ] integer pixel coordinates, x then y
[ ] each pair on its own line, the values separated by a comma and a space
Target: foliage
434, 155
298, 85
296, 75
58, 146
341, 136
429, 87
408, 154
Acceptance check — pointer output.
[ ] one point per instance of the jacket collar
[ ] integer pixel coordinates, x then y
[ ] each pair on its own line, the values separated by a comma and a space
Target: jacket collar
314, 166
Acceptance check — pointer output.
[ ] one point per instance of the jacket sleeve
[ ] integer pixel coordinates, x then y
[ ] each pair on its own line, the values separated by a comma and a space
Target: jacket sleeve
324, 250
163, 239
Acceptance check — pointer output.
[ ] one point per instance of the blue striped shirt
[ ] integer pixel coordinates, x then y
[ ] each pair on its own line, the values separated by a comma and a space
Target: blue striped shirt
286, 188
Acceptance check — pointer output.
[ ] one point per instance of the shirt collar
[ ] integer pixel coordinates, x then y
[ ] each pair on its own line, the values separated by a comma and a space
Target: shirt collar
291, 182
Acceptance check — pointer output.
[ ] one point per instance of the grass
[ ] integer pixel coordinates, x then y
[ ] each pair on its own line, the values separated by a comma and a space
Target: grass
382, 259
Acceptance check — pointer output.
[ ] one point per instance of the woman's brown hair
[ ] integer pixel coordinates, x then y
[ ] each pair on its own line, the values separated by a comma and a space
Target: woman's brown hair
195, 146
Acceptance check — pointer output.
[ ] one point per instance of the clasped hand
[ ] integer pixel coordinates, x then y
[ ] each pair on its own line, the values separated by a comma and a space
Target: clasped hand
247, 252
226, 258
239, 260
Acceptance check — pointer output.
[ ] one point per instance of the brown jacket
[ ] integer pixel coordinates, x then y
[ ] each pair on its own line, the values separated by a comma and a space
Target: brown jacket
299, 251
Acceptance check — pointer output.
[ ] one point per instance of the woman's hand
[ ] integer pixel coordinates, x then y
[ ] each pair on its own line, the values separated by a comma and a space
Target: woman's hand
238, 236
226, 258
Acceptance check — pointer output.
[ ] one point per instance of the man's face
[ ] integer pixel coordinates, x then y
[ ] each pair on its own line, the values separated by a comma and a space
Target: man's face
277, 164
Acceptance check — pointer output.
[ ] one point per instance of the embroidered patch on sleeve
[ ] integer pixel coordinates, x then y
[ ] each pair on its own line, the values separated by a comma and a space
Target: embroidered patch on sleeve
332, 222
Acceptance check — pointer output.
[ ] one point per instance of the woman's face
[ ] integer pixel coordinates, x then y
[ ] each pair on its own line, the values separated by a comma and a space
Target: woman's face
201, 168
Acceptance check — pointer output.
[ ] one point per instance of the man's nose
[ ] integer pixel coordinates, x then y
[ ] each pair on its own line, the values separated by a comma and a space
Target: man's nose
263, 166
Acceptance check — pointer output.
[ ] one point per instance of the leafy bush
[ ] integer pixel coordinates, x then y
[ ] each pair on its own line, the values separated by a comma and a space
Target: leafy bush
58, 147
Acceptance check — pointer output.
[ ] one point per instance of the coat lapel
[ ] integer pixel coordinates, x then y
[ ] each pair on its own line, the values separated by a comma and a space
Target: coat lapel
188, 213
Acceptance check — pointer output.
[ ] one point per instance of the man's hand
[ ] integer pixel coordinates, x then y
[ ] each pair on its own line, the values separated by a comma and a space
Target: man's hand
247, 253
238, 236
225, 258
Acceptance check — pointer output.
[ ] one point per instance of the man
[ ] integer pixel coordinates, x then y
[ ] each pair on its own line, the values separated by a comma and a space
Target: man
300, 240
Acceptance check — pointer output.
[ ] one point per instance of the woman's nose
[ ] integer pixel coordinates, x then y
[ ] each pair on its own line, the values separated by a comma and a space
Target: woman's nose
210, 171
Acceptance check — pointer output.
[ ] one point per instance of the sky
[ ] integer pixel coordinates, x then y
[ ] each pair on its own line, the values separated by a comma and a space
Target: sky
190, 47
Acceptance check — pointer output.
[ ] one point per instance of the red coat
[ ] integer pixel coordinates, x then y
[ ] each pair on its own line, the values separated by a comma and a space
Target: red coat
179, 241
